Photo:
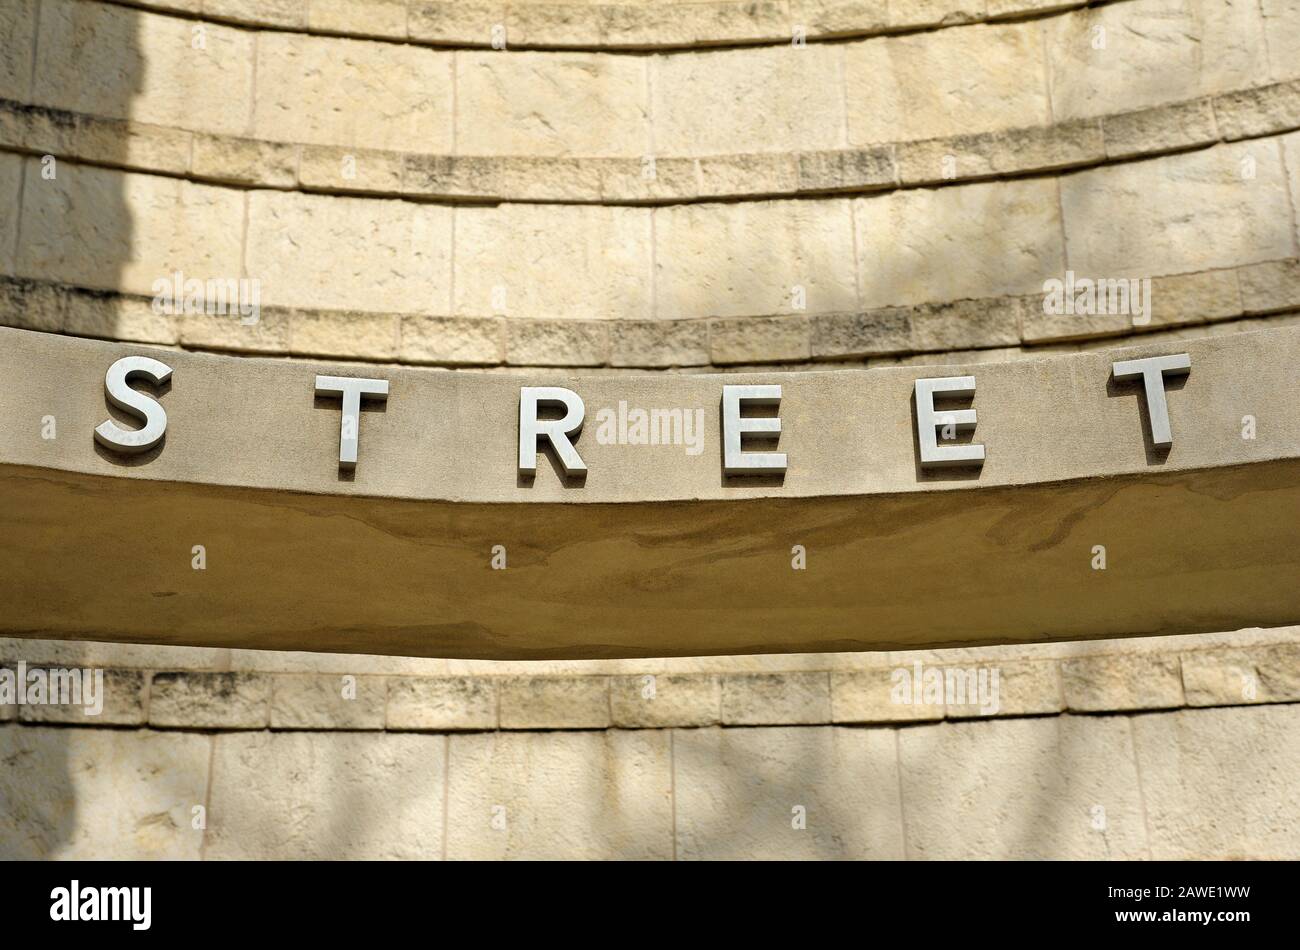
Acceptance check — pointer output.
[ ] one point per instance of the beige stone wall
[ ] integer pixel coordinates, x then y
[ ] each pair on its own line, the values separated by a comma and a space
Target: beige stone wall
634, 187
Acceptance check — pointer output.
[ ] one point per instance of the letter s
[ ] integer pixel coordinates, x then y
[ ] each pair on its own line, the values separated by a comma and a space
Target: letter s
112, 436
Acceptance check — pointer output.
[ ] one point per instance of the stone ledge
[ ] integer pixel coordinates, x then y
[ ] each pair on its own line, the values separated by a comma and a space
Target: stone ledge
1268, 674
964, 331
693, 24
320, 169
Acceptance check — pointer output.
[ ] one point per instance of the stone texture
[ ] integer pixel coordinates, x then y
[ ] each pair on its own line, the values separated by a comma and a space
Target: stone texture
754, 258
358, 254
918, 13
993, 154
1271, 286
138, 145
557, 342
1159, 129
359, 17
1151, 52
991, 322
1023, 689
742, 794
327, 796
731, 176
146, 67
571, 795
370, 336
583, 104
768, 99
656, 343
759, 339
554, 262
235, 332
17, 30
1118, 683
454, 340
657, 701
11, 171
315, 701
1219, 784
145, 229
244, 161
114, 317
1132, 219
330, 168
949, 82
1026, 789
100, 794
124, 701
210, 701
1232, 677
981, 240
1252, 112
1283, 45
861, 334
458, 21
870, 696
286, 13
554, 702
847, 170
762, 699
332, 91
442, 703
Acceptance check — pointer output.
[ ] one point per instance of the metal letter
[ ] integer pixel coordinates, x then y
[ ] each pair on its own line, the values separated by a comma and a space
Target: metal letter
556, 430
112, 436
351, 389
736, 461
928, 421
1153, 371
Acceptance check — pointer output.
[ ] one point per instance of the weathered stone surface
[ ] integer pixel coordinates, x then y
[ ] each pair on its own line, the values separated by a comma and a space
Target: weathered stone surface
245, 161
1279, 23
982, 240
534, 104
1160, 128
647, 178
1220, 783
655, 343
1251, 112
146, 67
235, 332
154, 148
385, 18
828, 17
129, 248
935, 12
950, 82
465, 340
554, 702
1120, 682
754, 258
331, 91
1194, 298
657, 701
288, 13
1132, 219
761, 699
1023, 688
768, 99
847, 170
786, 793
210, 701
759, 339
1151, 52
573, 795
114, 317
557, 262
1274, 285
990, 321
317, 701
8, 711
359, 254
11, 171
351, 169
17, 30
558, 342
861, 334
730, 176
100, 794
992, 154
460, 21
370, 336
442, 703
1058, 787
327, 796
1233, 677
123, 702
869, 696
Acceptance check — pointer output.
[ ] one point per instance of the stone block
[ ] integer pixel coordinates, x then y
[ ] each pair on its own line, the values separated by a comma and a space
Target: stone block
1121, 682
761, 699
658, 701
318, 701
442, 703
210, 701
554, 702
